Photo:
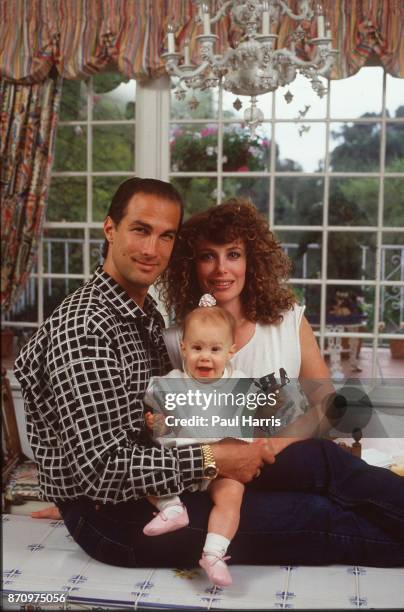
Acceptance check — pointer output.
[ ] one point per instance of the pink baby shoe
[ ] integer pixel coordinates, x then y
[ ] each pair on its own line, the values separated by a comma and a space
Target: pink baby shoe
164, 524
216, 568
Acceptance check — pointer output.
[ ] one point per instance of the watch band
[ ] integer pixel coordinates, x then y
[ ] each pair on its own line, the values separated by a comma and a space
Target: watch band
209, 464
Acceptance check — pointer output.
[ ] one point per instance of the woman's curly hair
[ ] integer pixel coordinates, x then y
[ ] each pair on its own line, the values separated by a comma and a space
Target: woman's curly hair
265, 296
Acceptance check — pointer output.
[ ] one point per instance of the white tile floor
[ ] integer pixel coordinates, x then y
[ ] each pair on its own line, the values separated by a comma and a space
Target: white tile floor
40, 557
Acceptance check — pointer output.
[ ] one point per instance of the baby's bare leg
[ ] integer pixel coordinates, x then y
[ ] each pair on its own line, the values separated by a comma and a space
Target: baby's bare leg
227, 495
153, 500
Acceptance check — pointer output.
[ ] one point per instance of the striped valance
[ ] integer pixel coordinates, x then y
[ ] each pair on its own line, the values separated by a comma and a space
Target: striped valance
82, 37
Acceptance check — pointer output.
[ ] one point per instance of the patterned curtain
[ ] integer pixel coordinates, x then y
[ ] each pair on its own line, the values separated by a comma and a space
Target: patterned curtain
82, 37
28, 127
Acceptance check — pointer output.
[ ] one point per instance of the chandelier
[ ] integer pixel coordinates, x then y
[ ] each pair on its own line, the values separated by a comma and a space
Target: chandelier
255, 65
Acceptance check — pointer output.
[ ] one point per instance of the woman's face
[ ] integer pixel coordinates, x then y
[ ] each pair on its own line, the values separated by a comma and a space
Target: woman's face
221, 270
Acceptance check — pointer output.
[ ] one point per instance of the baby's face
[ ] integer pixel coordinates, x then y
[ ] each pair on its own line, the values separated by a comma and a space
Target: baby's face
206, 348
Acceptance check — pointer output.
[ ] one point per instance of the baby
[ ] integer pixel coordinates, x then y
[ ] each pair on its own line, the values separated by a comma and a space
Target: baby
207, 346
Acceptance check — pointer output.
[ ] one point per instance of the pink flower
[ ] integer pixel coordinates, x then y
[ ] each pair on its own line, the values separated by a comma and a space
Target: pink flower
242, 169
209, 131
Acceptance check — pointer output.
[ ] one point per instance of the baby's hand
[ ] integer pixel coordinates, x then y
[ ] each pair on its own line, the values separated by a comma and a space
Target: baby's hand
149, 420
156, 423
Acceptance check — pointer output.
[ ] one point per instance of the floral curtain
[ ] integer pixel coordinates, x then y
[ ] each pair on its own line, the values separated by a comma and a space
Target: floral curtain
28, 127
82, 37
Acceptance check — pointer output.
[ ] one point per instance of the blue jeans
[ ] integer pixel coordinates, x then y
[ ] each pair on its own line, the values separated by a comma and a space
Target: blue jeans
316, 505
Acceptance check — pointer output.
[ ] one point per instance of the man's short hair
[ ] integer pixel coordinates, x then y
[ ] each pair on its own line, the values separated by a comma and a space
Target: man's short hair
131, 187
213, 313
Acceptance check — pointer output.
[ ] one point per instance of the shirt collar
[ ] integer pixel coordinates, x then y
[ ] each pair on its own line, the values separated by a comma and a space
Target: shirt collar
117, 297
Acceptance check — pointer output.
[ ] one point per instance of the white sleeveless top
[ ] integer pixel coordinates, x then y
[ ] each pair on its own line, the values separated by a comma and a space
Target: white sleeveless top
272, 347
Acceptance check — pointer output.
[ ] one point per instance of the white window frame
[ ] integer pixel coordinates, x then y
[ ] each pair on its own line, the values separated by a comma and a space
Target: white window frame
152, 160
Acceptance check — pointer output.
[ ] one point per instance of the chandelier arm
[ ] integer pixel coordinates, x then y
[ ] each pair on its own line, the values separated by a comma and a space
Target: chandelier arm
173, 68
221, 11
226, 57
299, 62
329, 62
297, 17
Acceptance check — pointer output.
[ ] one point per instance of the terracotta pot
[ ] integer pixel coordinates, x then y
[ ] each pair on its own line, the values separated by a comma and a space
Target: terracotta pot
397, 348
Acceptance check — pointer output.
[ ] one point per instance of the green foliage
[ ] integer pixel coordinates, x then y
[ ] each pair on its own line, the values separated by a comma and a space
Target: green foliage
195, 150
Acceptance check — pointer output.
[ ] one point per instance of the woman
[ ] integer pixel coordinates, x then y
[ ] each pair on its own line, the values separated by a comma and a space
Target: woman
229, 251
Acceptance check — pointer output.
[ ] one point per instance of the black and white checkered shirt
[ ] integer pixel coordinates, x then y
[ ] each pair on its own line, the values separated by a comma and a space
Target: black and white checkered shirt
83, 376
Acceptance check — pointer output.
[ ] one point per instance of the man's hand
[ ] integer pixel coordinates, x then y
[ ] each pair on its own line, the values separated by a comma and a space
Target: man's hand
240, 460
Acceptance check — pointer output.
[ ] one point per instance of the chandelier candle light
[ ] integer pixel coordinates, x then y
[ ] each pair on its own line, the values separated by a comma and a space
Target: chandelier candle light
255, 65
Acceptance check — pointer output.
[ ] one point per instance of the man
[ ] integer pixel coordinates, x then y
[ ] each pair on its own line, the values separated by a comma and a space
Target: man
84, 374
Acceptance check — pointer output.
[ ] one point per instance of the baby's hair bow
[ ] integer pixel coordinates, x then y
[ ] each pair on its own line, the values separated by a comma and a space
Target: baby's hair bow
207, 300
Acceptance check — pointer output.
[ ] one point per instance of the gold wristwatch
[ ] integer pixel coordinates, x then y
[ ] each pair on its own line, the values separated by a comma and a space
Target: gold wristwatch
210, 470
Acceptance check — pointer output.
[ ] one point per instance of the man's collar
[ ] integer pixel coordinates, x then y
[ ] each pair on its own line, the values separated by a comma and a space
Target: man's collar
115, 295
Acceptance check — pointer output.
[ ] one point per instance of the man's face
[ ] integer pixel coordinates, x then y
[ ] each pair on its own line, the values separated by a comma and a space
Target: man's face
140, 245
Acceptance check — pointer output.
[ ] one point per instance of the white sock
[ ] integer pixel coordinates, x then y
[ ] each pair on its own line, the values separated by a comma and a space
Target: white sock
215, 544
171, 505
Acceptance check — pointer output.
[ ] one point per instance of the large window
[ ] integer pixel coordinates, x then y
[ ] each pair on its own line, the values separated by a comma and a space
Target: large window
328, 174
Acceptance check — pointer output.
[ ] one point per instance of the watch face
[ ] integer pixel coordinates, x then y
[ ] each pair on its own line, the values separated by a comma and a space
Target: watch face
210, 471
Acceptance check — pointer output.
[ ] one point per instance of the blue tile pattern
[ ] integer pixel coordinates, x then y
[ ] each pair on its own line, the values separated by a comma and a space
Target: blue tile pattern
58, 564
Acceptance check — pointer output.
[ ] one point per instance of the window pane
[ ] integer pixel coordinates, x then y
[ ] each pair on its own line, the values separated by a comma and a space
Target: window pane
298, 201
264, 104
310, 296
112, 98
353, 201
67, 199
351, 98
351, 255
55, 290
392, 310
355, 147
207, 107
395, 146
394, 202
73, 105
198, 193
104, 188
243, 154
63, 251
114, 147
193, 147
300, 148
305, 104
350, 305
304, 250
392, 256
392, 269
96, 244
254, 189
394, 96
70, 153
